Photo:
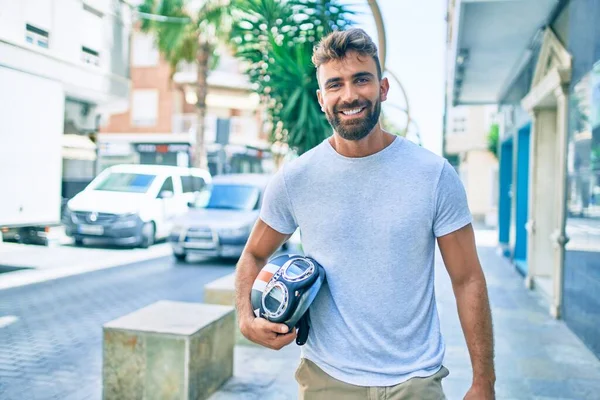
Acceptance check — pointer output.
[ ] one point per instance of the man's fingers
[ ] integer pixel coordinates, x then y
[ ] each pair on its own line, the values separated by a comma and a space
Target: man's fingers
272, 326
286, 339
272, 335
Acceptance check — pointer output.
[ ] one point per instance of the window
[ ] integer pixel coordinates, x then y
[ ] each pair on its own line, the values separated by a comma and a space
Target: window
459, 125
144, 52
144, 108
233, 197
192, 184
90, 56
126, 182
36, 36
92, 32
167, 186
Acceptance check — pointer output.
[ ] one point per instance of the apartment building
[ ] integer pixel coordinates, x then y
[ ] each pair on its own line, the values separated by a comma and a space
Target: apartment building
159, 126
83, 45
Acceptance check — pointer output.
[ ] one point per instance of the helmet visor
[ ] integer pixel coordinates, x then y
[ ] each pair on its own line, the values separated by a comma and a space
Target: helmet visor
275, 300
298, 270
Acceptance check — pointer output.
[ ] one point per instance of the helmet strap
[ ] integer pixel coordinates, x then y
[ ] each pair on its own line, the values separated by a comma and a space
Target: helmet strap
302, 327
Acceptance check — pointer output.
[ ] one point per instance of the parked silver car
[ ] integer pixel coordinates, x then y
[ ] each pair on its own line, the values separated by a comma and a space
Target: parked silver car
220, 224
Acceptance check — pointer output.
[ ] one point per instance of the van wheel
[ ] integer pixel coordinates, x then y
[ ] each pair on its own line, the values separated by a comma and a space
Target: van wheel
78, 242
148, 233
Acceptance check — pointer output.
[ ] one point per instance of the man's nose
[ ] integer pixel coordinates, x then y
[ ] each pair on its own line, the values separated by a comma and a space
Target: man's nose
349, 94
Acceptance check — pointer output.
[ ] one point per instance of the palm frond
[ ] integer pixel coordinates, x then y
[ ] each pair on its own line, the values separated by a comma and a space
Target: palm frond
276, 39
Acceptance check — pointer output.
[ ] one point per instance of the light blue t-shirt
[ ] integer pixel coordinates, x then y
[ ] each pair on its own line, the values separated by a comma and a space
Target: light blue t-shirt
371, 222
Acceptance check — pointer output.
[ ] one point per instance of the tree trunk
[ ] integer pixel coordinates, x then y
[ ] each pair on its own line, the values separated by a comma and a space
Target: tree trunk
202, 57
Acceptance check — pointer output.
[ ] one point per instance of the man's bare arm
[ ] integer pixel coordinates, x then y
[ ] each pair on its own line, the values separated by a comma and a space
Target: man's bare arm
262, 244
468, 282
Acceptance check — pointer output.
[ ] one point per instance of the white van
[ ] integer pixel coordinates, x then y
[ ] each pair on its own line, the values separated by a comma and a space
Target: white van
133, 204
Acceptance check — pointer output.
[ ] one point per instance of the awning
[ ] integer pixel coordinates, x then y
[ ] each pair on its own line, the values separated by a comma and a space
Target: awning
78, 147
490, 45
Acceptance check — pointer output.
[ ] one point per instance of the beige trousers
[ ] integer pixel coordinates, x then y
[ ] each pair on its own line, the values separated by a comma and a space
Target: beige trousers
314, 384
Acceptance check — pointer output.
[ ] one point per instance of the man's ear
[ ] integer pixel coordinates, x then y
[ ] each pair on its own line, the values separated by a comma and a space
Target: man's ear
384, 87
320, 98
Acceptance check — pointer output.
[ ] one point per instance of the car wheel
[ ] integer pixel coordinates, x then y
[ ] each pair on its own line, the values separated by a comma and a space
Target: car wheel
78, 242
180, 256
148, 233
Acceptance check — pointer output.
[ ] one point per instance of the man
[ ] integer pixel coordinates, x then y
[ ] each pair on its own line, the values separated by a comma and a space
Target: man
370, 206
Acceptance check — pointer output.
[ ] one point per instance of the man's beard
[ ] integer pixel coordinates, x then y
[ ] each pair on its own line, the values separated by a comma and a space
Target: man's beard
357, 128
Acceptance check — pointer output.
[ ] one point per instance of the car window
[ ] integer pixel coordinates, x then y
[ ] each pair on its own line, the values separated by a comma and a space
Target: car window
233, 197
167, 185
192, 184
126, 182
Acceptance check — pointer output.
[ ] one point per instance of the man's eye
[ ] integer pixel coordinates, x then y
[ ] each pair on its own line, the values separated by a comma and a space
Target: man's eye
362, 80
334, 86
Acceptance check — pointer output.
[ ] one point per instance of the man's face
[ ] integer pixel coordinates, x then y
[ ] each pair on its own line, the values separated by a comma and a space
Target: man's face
350, 94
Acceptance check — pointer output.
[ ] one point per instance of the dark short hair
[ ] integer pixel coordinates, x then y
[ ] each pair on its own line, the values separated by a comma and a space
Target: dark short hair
337, 44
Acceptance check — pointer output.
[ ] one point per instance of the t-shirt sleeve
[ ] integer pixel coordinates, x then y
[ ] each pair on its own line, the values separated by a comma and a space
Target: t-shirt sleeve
451, 207
276, 210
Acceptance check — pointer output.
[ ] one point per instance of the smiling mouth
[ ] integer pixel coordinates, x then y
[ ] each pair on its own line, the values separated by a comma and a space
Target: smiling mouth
354, 111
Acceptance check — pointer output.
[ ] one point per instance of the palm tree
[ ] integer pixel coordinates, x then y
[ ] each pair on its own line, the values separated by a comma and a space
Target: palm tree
189, 30
276, 39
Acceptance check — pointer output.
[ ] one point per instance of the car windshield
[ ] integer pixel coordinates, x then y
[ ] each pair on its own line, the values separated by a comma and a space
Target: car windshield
233, 197
126, 182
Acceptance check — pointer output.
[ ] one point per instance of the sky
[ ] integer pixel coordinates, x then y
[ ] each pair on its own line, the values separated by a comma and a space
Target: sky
415, 34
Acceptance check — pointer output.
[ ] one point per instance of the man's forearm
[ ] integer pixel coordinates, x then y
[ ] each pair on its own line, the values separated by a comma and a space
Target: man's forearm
247, 270
476, 321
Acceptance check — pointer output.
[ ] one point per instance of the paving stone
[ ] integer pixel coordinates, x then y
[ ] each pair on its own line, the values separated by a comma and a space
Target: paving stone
57, 343
59, 338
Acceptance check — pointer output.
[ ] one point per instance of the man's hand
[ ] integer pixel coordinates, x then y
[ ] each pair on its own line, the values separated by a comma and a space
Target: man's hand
266, 333
481, 392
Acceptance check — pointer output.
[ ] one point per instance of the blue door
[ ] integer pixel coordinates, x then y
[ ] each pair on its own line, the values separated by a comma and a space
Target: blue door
504, 201
522, 198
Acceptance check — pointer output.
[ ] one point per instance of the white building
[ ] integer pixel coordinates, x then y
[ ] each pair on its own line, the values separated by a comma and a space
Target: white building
84, 46
466, 141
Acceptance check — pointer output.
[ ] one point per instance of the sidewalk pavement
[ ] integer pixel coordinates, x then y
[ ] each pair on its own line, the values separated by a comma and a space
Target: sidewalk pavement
537, 357
43, 263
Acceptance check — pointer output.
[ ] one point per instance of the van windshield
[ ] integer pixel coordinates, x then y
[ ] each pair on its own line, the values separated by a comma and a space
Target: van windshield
126, 182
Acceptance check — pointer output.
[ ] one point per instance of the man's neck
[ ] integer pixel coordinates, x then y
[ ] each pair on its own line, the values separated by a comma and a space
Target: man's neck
374, 142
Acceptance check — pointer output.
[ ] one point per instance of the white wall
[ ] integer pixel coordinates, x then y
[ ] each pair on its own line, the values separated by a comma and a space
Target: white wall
480, 186
70, 27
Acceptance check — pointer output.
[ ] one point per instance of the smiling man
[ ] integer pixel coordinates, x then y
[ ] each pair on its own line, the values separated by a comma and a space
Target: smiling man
370, 207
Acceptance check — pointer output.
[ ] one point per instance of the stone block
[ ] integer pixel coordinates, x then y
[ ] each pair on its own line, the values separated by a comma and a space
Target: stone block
222, 291
168, 350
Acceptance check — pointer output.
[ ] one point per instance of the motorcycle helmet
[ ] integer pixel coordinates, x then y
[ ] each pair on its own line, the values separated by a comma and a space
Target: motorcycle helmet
284, 290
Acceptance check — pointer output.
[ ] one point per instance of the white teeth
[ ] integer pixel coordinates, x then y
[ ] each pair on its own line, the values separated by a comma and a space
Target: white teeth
352, 112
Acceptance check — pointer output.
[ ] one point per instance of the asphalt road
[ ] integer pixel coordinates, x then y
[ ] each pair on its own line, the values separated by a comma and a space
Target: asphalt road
51, 332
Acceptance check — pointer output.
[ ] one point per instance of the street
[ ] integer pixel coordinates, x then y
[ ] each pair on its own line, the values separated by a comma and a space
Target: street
51, 347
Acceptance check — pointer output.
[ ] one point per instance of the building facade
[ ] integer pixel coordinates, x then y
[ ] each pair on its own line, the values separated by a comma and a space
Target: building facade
84, 46
543, 70
159, 126
466, 147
